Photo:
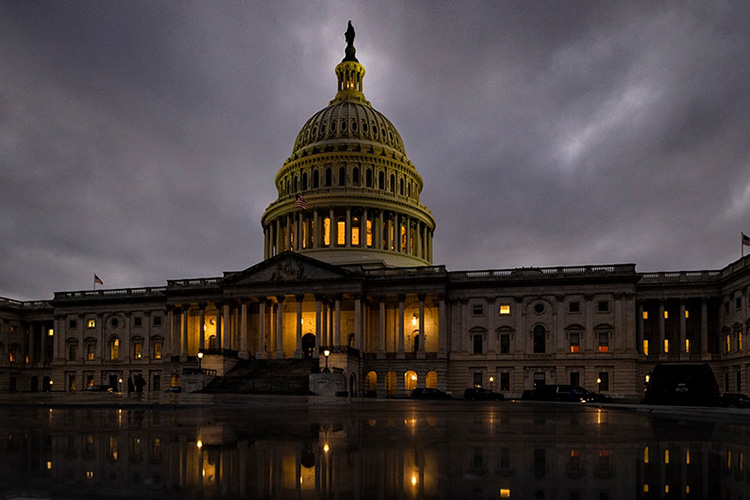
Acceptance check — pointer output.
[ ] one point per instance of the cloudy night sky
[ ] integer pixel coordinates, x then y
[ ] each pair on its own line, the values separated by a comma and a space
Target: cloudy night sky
139, 140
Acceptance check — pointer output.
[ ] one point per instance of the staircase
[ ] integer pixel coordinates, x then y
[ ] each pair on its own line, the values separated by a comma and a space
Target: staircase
265, 376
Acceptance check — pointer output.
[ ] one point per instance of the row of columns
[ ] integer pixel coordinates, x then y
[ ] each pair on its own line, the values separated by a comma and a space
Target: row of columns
232, 326
662, 332
301, 230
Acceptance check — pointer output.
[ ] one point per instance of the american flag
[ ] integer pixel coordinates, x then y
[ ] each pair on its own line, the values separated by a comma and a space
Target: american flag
300, 202
745, 240
98, 280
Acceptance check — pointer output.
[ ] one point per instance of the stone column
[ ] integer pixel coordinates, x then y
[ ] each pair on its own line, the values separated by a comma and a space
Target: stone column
31, 342
318, 329
401, 354
381, 328
243, 330
176, 332
661, 328
298, 349
279, 354
324, 326
348, 235
227, 333
494, 309
704, 329
465, 342
683, 331
358, 322
202, 327
184, 343
167, 341
261, 352
333, 229
422, 335
57, 347
442, 322
218, 338
337, 321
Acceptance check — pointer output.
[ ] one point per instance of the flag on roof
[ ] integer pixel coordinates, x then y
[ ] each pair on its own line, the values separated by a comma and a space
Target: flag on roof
300, 202
745, 240
98, 280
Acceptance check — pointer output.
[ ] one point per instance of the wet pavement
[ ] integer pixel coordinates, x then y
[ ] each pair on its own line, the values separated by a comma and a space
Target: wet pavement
375, 449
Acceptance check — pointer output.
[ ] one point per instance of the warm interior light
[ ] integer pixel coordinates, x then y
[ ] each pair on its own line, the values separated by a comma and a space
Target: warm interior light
326, 448
414, 321
199, 443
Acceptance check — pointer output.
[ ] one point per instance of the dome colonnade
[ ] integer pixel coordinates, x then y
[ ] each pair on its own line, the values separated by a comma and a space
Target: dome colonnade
348, 194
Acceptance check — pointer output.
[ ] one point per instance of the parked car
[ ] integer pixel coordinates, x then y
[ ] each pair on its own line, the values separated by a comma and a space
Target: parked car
682, 384
98, 388
429, 393
734, 400
564, 392
482, 394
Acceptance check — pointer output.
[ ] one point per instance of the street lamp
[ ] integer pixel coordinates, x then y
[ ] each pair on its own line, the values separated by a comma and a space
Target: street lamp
326, 353
492, 380
598, 384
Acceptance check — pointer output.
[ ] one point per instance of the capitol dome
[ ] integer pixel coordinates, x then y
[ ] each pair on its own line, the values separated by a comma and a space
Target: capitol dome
348, 194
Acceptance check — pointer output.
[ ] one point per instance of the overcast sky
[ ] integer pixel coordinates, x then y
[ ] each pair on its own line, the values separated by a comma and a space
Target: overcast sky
139, 140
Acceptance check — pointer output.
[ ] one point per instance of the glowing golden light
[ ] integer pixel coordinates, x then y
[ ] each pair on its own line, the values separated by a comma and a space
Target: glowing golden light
645, 314
414, 321
504, 492
326, 448
413, 479
199, 443
645, 455
666, 345
49, 465
666, 314
645, 347
666, 456
89, 474
504, 308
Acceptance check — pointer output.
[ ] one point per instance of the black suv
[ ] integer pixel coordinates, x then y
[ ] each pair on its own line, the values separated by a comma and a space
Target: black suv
691, 384
482, 394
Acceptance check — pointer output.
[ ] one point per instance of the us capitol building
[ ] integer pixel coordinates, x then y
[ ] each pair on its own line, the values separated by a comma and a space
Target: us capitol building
348, 271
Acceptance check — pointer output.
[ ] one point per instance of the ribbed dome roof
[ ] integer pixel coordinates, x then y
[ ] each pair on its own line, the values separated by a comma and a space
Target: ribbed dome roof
348, 119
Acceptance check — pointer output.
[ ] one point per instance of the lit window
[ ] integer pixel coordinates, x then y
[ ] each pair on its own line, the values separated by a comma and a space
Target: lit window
645, 347
504, 308
729, 343
687, 457
603, 341
504, 492
645, 455
114, 349
91, 323
666, 456
90, 352
739, 341
341, 232
50, 332
355, 232
369, 233
327, 231
645, 314
157, 350
575, 342
666, 345
687, 314
687, 346
137, 350
666, 314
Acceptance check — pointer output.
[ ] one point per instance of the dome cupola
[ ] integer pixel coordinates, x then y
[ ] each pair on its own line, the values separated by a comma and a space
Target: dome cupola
348, 194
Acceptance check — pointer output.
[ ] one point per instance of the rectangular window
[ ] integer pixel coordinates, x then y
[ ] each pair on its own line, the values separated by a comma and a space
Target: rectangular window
539, 379
138, 350
602, 306
90, 351
478, 341
137, 321
729, 343
477, 309
739, 341
50, 332
666, 346
505, 381
157, 320
738, 303
645, 314
666, 314
504, 309
71, 352
72, 324
504, 343
539, 340
327, 231
157, 350
355, 233
156, 386
603, 381
574, 307
369, 233
13, 329
687, 346
575, 378
603, 341
575, 342
645, 347
114, 350
91, 323
687, 314
477, 379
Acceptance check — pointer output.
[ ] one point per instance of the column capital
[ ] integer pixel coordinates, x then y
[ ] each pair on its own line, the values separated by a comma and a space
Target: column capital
280, 298
421, 296
299, 297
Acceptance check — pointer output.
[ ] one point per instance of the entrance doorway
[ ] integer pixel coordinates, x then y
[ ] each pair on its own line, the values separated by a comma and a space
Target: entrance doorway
308, 345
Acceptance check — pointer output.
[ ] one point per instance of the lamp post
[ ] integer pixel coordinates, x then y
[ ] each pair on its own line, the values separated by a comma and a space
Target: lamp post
326, 353
492, 380
200, 367
598, 385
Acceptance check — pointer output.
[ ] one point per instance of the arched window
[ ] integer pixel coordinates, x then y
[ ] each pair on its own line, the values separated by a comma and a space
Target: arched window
401, 186
304, 181
393, 183
342, 176
355, 231
371, 384
368, 178
329, 176
390, 384
355, 176
408, 190
540, 334
381, 180
294, 184
316, 179
114, 349
410, 380
327, 231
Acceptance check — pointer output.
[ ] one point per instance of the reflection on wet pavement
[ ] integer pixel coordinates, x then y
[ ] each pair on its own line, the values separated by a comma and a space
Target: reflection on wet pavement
392, 449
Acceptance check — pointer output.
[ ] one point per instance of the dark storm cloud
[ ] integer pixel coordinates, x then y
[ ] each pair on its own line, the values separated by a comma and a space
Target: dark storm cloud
140, 140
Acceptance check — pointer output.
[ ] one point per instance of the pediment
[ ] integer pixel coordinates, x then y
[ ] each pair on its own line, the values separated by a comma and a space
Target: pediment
287, 267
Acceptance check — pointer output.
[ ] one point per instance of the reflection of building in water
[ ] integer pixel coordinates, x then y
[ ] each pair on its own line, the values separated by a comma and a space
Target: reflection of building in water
349, 268
501, 454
